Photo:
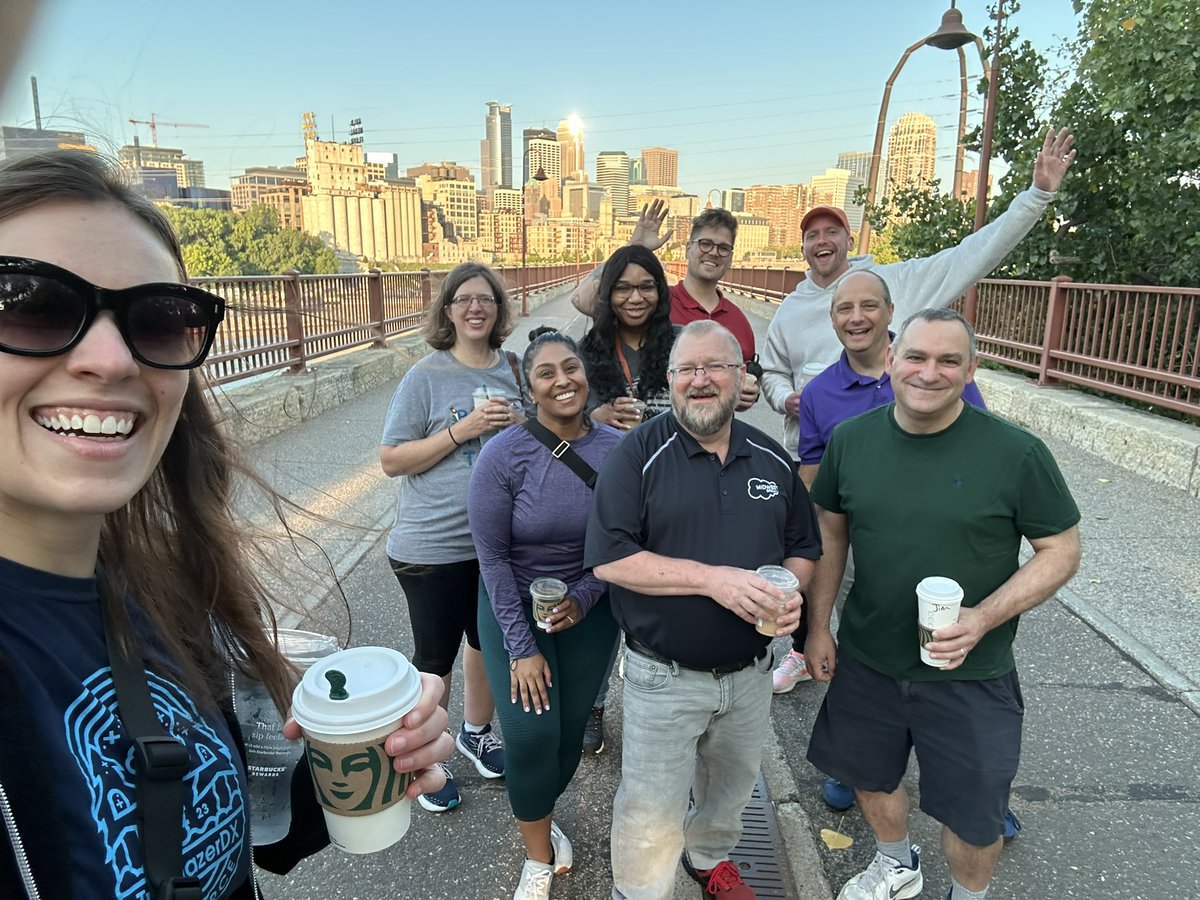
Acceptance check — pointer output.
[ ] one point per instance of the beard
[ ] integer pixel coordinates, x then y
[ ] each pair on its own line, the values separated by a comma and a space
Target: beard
707, 420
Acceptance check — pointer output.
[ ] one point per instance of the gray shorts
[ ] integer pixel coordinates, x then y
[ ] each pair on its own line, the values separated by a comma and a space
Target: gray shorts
966, 734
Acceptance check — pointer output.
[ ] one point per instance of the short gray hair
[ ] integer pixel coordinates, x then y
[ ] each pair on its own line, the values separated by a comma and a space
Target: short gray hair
700, 328
939, 314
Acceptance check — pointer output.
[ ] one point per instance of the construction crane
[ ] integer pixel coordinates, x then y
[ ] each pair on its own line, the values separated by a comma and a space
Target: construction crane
154, 123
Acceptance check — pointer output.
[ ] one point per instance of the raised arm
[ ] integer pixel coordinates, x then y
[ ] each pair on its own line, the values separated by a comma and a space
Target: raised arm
645, 233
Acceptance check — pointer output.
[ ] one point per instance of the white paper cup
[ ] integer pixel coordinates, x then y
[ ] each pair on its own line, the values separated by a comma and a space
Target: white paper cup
783, 579
545, 593
358, 789
938, 602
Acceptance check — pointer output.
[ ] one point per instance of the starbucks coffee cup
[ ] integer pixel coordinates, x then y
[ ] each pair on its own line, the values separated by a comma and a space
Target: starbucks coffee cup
347, 704
938, 602
786, 582
546, 593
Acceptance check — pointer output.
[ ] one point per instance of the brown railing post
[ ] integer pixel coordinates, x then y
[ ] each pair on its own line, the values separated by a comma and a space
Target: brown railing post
426, 290
1056, 317
295, 324
375, 306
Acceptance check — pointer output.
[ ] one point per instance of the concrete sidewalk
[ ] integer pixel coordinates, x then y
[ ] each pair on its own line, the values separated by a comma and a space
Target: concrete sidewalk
1110, 786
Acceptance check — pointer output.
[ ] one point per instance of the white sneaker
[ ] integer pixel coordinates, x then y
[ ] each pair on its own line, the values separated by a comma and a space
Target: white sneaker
563, 854
789, 673
886, 879
535, 881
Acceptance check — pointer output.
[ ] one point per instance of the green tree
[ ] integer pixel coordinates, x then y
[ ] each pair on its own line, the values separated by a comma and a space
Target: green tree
217, 242
1133, 207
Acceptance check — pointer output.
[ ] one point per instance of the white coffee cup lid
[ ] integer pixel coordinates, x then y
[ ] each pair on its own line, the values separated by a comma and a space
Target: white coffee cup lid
938, 587
379, 685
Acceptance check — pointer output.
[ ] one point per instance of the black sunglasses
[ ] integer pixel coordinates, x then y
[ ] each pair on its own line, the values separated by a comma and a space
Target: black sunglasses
45, 311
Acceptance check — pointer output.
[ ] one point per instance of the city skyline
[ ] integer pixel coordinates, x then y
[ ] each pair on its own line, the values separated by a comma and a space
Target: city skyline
733, 125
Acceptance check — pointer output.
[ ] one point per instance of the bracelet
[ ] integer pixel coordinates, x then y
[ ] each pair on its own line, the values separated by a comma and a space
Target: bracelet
450, 432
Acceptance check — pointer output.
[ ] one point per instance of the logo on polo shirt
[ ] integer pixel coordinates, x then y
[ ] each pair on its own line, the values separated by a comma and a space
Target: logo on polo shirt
761, 489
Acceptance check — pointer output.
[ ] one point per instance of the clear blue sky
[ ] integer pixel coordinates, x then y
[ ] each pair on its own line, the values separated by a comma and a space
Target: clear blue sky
748, 92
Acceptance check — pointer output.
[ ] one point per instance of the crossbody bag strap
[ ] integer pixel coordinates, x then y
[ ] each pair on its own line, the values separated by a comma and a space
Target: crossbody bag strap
160, 765
561, 450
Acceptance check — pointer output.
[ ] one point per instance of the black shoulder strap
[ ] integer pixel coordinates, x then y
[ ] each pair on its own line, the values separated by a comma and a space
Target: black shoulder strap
161, 763
561, 450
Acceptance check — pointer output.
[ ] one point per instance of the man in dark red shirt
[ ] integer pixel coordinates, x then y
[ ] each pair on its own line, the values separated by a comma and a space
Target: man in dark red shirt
709, 254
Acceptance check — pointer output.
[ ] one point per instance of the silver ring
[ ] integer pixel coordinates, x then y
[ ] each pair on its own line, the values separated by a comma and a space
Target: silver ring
569, 619
962, 651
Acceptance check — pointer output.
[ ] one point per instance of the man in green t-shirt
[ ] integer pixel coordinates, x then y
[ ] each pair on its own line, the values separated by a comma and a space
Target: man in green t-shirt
927, 486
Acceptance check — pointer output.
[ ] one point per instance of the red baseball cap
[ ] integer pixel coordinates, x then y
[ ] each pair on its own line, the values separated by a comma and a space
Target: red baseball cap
832, 211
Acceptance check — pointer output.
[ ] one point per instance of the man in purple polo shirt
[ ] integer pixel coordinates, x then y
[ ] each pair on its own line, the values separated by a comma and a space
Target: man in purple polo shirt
861, 312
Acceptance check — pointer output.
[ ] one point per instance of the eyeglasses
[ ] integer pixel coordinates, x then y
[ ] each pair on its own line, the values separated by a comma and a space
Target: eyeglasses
707, 246
714, 370
623, 290
45, 311
485, 300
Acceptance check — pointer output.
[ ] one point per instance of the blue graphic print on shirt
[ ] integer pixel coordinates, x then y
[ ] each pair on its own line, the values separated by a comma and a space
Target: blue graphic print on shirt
214, 819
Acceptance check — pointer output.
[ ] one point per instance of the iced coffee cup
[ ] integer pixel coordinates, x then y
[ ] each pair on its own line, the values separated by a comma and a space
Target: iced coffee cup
787, 583
347, 704
938, 602
479, 397
546, 593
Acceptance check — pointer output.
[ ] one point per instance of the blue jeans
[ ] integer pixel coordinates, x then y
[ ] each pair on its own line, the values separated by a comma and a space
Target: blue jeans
684, 730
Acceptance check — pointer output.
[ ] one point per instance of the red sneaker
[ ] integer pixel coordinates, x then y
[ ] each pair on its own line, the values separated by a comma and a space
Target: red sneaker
723, 880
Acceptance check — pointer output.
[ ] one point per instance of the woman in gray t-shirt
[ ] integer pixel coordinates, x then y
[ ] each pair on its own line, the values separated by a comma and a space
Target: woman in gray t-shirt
446, 407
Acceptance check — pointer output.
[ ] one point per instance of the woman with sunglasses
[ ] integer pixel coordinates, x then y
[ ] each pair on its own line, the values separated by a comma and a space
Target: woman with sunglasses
627, 348
127, 592
445, 409
528, 507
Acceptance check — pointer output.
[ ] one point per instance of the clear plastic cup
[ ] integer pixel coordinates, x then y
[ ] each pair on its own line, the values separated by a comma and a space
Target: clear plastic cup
546, 593
789, 584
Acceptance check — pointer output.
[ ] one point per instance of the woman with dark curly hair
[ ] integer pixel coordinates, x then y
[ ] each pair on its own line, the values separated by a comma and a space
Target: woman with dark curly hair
626, 351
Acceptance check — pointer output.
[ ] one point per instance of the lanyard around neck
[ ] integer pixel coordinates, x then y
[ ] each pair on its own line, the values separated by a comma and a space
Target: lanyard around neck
624, 364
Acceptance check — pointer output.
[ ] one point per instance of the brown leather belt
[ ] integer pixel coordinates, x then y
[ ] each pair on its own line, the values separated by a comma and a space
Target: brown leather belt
716, 671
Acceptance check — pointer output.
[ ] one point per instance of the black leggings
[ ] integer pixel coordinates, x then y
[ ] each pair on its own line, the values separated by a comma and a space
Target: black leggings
441, 608
542, 752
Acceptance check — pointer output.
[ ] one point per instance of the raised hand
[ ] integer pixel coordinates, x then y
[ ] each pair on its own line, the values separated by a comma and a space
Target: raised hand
1053, 161
649, 223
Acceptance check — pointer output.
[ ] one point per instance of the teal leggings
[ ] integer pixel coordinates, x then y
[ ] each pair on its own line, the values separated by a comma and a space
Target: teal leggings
542, 752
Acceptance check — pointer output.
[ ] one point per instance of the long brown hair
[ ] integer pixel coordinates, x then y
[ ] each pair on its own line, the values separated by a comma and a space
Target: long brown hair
175, 550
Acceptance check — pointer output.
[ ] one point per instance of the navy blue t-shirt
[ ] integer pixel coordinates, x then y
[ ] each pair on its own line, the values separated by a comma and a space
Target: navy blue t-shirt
52, 633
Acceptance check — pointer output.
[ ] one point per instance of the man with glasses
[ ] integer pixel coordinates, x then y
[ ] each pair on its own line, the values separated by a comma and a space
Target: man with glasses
697, 297
687, 507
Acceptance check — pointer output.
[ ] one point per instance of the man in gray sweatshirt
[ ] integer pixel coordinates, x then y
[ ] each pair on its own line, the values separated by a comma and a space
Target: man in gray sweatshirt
801, 333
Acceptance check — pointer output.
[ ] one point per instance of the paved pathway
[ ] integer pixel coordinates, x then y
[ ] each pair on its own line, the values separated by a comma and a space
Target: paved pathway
1109, 788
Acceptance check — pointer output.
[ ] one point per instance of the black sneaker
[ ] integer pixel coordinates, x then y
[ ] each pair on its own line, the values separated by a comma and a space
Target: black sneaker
482, 748
593, 731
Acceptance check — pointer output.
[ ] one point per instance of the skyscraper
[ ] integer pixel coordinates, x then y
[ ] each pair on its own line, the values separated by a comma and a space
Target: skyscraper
858, 163
733, 199
661, 166
837, 188
781, 206
529, 134
912, 150
495, 150
570, 142
612, 171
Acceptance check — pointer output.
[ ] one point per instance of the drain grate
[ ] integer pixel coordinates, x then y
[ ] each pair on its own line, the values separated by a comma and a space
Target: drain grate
757, 853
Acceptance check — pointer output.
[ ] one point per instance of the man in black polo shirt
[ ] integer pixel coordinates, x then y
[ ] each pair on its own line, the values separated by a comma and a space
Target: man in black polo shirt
687, 507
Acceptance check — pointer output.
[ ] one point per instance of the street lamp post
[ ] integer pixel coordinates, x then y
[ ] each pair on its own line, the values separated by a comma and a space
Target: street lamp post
538, 176
971, 303
950, 35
